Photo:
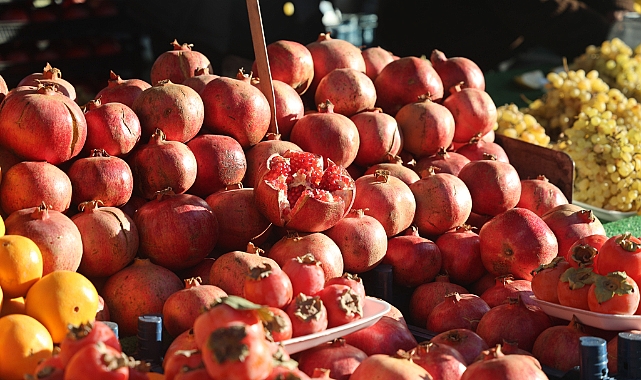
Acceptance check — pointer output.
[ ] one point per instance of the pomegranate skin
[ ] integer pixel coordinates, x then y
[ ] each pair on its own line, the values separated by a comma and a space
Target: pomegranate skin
379, 136
455, 70
289, 107
114, 127
290, 62
426, 127
427, 295
516, 242
570, 223
177, 64
386, 336
540, 195
473, 110
405, 174
376, 58
329, 53
495, 186
49, 75
388, 367
120, 90
497, 366
461, 254
559, 347
468, 343
446, 162
200, 79
457, 311
351, 91
229, 270
415, 260
257, 156
339, 357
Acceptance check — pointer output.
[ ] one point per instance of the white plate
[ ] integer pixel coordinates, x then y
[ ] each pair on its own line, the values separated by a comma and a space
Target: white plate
373, 310
612, 322
605, 215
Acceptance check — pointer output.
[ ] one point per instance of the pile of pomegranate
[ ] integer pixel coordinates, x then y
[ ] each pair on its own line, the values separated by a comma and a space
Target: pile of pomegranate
180, 197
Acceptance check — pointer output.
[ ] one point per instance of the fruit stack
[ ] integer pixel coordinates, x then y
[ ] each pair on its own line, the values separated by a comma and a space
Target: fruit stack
175, 197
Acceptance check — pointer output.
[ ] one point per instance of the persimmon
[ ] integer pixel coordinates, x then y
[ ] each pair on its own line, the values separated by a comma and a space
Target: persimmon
25, 342
20, 265
2, 227
12, 306
61, 298
614, 293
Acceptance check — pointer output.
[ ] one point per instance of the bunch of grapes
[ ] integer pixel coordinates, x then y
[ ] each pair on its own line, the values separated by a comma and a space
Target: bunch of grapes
511, 122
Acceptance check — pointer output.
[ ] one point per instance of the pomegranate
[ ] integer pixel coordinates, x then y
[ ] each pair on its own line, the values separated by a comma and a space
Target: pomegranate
289, 106
176, 230
240, 222
446, 162
350, 90
290, 62
230, 269
29, 183
468, 343
456, 70
478, 149
440, 360
139, 289
133, 204
7, 160
200, 79
220, 162
461, 255
177, 64
53, 232
443, 202
415, 260
201, 270
300, 191
573, 287
386, 367
328, 134
319, 245
507, 287
495, 186
49, 75
514, 321
505, 252
612, 348
181, 309
540, 195
57, 128
559, 346
113, 127
570, 223
161, 164
101, 177
120, 90
109, 239
386, 199
486, 281
306, 274
457, 311
340, 358
585, 251
383, 337
402, 81
473, 110
376, 58
174, 108
379, 137
257, 155
546, 278
497, 366
235, 108
427, 295
361, 239
404, 173
426, 126
329, 53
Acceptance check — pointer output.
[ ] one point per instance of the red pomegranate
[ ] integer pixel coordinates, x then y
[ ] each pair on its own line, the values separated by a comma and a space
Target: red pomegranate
376, 58
455, 70
559, 347
330, 53
161, 164
477, 148
134, 203
426, 126
101, 177
427, 295
402, 81
440, 360
468, 343
495, 186
201, 269
289, 106
29, 183
350, 90
327, 134
461, 255
319, 245
200, 79
446, 162
495, 365
386, 336
176, 230
174, 108
379, 137
546, 277
113, 127
340, 358
513, 321
507, 287
257, 155
7, 160
361, 239
457, 311
109, 239
504, 251
230, 269
139, 289
290, 62
303, 192
120, 90
177, 64
57, 128
540, 195
415, 260
570, 223
473, 110
235, 108
388, 367
220, 162
49, 75
55, 234
443, 202
404, 173
181, 309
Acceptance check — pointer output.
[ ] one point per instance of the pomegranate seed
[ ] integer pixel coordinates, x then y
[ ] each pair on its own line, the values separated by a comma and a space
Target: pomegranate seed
306, 163
335, 179
294, 194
